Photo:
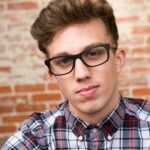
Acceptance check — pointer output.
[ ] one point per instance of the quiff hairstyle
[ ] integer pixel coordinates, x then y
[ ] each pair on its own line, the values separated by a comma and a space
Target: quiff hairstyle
61, 13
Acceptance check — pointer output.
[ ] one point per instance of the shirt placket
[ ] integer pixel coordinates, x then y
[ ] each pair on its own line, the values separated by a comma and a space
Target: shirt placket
95, 139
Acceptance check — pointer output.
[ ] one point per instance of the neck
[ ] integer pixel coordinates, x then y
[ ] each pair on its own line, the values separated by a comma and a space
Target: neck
96, 117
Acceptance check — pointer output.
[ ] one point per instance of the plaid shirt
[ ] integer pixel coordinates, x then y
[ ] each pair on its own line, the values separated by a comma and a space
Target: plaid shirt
126, 128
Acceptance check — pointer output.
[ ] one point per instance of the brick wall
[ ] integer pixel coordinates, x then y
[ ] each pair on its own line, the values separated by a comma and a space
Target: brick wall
24, 83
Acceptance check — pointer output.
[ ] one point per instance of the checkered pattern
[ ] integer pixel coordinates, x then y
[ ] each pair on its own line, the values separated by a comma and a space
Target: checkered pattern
126, 128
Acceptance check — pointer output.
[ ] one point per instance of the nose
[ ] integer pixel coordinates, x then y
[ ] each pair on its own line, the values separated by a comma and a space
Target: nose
81, 71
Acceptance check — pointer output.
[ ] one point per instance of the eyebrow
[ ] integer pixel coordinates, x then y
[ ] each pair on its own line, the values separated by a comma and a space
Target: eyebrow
84, 49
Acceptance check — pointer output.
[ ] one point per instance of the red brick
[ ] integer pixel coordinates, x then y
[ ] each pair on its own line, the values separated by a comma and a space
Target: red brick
2, 7
2, 29
141, 29
136, 60
5, 69
149, 18
5, 89
14, 119
12, 17
127, 19
139, 82
53, 105
46, 97
128, 41
7, 128
53, 87
22, 5
29, 88
141, 92
29, 107
15, 26
140, 70
2, 47
133, 82
13, 38
5, 0
148, 41
135, 2
6, 109
13, 99
144, 50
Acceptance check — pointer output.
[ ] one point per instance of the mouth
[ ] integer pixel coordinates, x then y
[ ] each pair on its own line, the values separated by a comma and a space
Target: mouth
88, 91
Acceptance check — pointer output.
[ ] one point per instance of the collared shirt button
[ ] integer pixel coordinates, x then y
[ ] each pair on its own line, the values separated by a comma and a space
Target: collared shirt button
109, 137
94, 130
80, 138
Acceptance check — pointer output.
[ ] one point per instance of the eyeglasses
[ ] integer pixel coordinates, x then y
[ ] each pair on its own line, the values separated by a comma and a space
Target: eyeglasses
94, 56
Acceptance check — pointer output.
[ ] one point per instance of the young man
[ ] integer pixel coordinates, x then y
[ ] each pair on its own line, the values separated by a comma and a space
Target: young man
80, 39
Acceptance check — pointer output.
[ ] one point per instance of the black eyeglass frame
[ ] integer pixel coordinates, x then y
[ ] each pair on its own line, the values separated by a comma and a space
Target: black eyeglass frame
74, 57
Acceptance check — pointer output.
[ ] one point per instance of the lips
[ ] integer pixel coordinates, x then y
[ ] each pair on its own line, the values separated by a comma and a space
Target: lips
88, 91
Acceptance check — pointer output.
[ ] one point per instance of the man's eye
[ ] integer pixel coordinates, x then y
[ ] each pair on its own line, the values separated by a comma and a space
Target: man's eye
95, 53
63, 61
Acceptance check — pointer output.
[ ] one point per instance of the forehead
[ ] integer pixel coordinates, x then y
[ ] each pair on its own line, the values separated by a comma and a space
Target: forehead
74, 38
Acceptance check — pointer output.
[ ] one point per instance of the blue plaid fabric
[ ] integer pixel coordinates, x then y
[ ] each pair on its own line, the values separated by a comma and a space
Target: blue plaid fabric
126, 128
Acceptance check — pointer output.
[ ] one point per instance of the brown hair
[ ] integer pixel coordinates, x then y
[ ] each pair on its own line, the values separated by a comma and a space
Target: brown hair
60, 13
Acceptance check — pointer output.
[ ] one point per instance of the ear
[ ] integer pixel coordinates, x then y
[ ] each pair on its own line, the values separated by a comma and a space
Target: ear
120, 59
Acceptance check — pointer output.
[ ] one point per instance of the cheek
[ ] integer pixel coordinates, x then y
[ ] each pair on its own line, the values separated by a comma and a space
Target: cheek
106, 71
65, 86
106, 75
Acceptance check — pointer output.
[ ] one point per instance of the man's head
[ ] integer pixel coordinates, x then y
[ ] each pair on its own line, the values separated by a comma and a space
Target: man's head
61, 13
78, 37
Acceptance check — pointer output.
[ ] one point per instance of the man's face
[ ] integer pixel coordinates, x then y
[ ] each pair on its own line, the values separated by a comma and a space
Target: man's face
89, 90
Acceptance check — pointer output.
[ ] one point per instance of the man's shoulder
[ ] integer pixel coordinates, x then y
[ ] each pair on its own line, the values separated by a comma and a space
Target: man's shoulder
138, 101
44, 119
139, 108
34, 129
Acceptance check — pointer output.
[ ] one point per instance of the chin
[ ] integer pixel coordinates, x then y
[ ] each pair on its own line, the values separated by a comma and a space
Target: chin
91, 110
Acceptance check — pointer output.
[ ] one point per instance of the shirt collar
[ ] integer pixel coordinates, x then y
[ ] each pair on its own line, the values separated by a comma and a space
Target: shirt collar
108, 125
114, 120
